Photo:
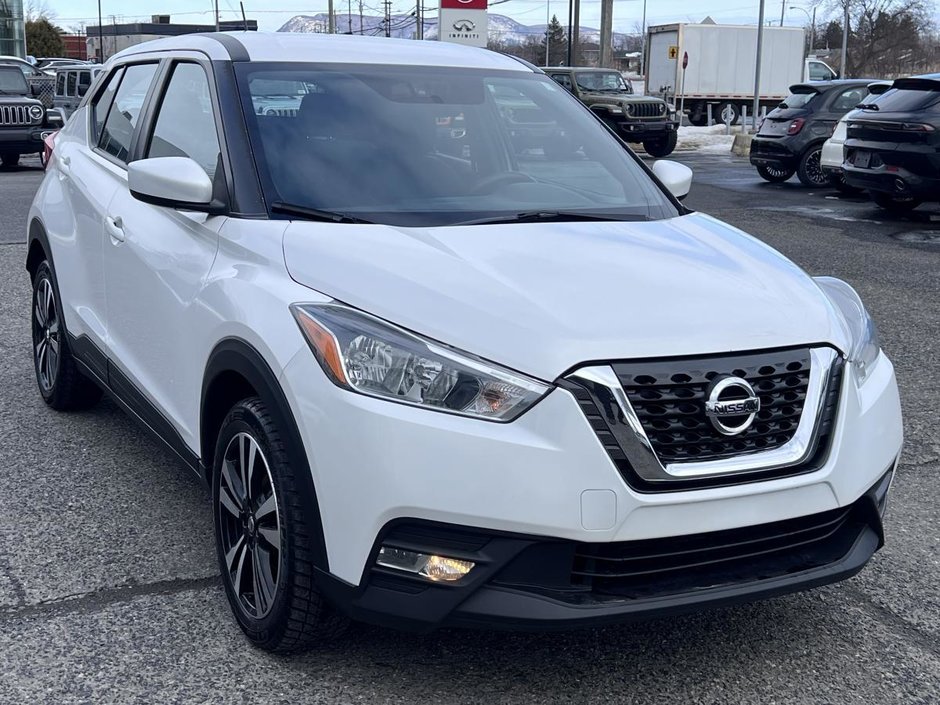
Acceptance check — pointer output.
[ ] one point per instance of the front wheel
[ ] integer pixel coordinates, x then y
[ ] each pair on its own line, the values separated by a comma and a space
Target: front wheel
662, 147
810, 171
895, 204
774, 174
61, 383
264, 533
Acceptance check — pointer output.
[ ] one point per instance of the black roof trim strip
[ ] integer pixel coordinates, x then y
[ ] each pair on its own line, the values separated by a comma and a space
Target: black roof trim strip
236, 50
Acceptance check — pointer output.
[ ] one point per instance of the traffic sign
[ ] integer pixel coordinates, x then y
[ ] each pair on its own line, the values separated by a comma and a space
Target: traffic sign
685, 60
673, 52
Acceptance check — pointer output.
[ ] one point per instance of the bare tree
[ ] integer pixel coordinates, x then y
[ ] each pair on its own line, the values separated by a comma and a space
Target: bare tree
37, 10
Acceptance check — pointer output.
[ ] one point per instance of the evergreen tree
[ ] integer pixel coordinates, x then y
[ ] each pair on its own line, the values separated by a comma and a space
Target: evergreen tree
557, 44
43, 38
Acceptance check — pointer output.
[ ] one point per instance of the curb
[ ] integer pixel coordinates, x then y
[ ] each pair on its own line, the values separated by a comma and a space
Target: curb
742, 144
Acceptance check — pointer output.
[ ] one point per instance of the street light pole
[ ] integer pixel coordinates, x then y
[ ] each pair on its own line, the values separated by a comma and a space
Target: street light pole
812, 24
100, 36
548, 21
845, 40
216, 15
760, 47
643, 43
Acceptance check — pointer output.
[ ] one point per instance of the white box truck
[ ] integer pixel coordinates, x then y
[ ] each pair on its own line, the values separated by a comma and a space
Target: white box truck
721, 66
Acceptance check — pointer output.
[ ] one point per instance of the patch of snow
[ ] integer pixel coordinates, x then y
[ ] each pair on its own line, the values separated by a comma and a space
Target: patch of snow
709, 140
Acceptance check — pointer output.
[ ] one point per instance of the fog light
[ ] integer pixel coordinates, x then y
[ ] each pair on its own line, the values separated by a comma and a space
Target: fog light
435, 568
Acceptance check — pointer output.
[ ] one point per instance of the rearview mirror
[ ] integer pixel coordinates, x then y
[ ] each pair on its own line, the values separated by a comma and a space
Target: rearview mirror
174, 182
676, 177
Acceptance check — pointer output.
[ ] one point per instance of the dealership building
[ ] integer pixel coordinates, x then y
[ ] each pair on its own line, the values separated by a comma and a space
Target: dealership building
12, 28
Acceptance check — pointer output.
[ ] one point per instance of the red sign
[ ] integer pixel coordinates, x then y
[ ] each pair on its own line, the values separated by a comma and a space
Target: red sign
464, 4
685, 60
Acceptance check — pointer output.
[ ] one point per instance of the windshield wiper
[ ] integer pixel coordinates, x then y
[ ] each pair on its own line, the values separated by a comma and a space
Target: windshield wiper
868, 106
316, 214
551, 216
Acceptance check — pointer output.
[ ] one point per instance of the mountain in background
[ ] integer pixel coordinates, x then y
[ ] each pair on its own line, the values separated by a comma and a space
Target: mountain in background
502, 29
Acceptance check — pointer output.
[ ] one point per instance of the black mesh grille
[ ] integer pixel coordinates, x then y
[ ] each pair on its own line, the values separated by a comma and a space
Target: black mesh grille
669, 400
639, 569
645, 110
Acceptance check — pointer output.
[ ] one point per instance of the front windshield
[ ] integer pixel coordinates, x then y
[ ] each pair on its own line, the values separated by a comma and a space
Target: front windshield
12, 81
601, 81
408, 145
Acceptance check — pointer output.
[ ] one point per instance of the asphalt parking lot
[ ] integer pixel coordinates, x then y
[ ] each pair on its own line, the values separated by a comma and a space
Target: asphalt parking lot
109, 589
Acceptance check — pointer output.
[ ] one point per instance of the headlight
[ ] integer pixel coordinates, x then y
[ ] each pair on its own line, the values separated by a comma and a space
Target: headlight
36, 112
366, 355
865, 344
615, 109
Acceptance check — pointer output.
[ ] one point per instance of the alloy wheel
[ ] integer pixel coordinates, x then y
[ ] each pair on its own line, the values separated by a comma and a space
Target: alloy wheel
46, 342
814, 170
250, 527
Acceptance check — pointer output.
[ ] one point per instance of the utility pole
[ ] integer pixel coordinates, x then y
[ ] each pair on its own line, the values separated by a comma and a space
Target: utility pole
387, 4
360, 17
331, 25
607, 28
100, 36
419, 19
845, 41
568, 55
349, 15
548, 27
643, 43
783, 7
216, 15
760, 47
576, 34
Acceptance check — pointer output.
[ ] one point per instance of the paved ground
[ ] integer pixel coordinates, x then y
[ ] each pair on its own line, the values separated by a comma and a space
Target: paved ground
109, 590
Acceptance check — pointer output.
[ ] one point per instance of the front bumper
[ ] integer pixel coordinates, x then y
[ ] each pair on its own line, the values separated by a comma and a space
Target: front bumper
23, 140
638, 131
546, 475
533, 583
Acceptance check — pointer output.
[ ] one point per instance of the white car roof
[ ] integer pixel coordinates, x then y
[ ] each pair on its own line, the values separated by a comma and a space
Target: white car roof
328, 48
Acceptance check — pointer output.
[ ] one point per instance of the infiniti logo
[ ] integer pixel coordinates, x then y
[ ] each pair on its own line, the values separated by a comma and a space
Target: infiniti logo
464, 26
732, 406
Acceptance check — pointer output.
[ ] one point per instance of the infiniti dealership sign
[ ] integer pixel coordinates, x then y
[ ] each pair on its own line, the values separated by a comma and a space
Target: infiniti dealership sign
463, 22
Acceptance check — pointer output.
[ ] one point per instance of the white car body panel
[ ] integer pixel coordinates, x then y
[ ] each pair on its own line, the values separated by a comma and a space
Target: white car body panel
541, 298
833, 151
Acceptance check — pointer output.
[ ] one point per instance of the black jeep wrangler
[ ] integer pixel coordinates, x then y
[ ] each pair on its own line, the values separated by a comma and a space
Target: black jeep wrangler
634, 118
24, 121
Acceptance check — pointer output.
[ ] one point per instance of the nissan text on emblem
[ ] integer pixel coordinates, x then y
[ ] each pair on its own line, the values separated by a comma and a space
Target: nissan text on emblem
732, 406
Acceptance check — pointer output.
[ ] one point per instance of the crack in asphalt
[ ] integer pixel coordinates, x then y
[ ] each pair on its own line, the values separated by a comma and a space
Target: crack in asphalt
16, 587
97, 600
894, 622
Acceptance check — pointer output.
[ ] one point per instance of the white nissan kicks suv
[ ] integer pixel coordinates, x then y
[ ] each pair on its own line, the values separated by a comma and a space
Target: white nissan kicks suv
493, 376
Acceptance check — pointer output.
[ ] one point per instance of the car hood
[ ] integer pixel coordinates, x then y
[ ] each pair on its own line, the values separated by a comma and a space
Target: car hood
18, 100
542, 298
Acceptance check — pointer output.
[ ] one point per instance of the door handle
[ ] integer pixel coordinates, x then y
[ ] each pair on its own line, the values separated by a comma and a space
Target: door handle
115, 228
64, 162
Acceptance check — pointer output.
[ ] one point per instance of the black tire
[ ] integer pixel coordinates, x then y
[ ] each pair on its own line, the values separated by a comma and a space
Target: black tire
663, 147
895, 204
294, 616
775, 175
698, 119
733, 109
9, 159
810, 171
61, 384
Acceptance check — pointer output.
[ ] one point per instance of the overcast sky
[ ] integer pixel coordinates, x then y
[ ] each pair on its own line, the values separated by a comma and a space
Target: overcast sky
272, 14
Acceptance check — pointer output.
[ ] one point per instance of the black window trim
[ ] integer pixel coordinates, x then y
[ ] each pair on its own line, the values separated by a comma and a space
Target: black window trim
96, 147
143, 134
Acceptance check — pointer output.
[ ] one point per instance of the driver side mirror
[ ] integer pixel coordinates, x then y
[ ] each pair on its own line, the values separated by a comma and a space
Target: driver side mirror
676, 177
172, 182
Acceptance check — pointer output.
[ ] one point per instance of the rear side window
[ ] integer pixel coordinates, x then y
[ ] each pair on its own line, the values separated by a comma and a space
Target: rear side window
847, 100
72, 82
819, 72
102, 102
125, 111
60, 84
185, 125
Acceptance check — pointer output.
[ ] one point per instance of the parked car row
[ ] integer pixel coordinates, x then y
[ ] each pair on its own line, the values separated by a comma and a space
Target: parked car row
876, 136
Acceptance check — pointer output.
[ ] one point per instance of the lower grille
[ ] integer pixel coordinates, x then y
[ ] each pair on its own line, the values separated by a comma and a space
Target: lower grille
637, 569
15, 115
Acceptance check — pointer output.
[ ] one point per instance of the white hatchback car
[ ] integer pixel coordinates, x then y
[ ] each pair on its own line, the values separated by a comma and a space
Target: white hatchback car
489, 376
833, 151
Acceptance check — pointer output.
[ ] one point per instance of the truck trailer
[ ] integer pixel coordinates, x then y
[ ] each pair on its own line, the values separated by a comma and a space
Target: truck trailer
721, 63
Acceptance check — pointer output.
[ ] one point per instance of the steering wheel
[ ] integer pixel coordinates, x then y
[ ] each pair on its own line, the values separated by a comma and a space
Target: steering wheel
489, 183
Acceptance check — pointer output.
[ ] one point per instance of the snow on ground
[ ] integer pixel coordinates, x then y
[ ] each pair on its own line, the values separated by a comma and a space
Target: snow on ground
710, 140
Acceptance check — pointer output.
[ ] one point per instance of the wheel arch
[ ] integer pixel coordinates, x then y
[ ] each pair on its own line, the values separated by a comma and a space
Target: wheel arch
37, 247
234, 371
